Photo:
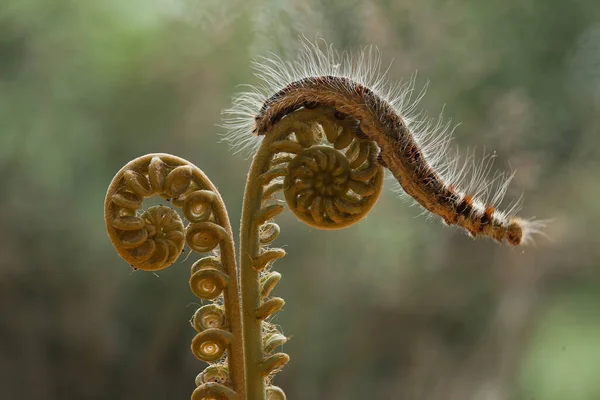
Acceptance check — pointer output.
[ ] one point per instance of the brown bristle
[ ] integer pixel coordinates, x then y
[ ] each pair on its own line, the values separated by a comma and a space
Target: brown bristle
465, 207
362, 90
473, 232
498, 234
339, 115
275, 118
514, 234
429, 178
360, 134
449, 219
380, 160
453, 197
413, 153
486, 218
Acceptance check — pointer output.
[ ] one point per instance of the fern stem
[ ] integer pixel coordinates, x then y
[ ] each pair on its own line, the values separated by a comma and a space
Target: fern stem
231, 295
249, 277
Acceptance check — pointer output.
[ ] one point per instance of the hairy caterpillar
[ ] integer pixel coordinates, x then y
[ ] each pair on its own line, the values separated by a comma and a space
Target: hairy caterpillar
412, 147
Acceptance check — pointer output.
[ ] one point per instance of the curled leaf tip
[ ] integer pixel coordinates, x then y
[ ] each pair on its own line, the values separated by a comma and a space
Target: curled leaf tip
209, 316
210, 344
273, 341
268, 282
266, 257
275, 393
269, 307
274, 362
208, 283
212, 390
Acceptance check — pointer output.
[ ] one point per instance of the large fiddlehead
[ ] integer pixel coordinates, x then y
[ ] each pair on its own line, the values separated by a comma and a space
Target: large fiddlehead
330, 179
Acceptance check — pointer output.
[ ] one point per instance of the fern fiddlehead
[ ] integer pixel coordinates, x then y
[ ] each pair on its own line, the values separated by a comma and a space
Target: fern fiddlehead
153, 239
330, 179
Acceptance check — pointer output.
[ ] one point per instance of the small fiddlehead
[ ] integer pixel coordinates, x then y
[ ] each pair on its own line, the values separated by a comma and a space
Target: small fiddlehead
330, 179
153, 239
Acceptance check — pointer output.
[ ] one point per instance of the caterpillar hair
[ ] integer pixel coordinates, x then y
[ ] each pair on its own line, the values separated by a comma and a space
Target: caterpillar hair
413, 147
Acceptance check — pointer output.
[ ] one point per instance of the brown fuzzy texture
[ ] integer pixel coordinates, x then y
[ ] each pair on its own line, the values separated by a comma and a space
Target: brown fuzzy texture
378, 121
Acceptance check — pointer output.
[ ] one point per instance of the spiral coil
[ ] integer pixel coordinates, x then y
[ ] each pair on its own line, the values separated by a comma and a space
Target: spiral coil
330, 178
328, 173
153, 239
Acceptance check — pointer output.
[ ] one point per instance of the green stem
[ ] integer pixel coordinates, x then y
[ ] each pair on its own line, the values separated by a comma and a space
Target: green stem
249, 248
235, 354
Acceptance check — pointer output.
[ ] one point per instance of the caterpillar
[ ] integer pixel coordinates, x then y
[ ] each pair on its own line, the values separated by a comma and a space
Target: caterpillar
414, 148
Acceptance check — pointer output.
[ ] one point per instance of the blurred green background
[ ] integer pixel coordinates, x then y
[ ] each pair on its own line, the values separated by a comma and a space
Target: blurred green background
396, 307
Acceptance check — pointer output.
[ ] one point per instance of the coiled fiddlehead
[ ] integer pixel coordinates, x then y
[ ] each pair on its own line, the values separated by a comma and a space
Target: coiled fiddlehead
153, 239
330, 179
